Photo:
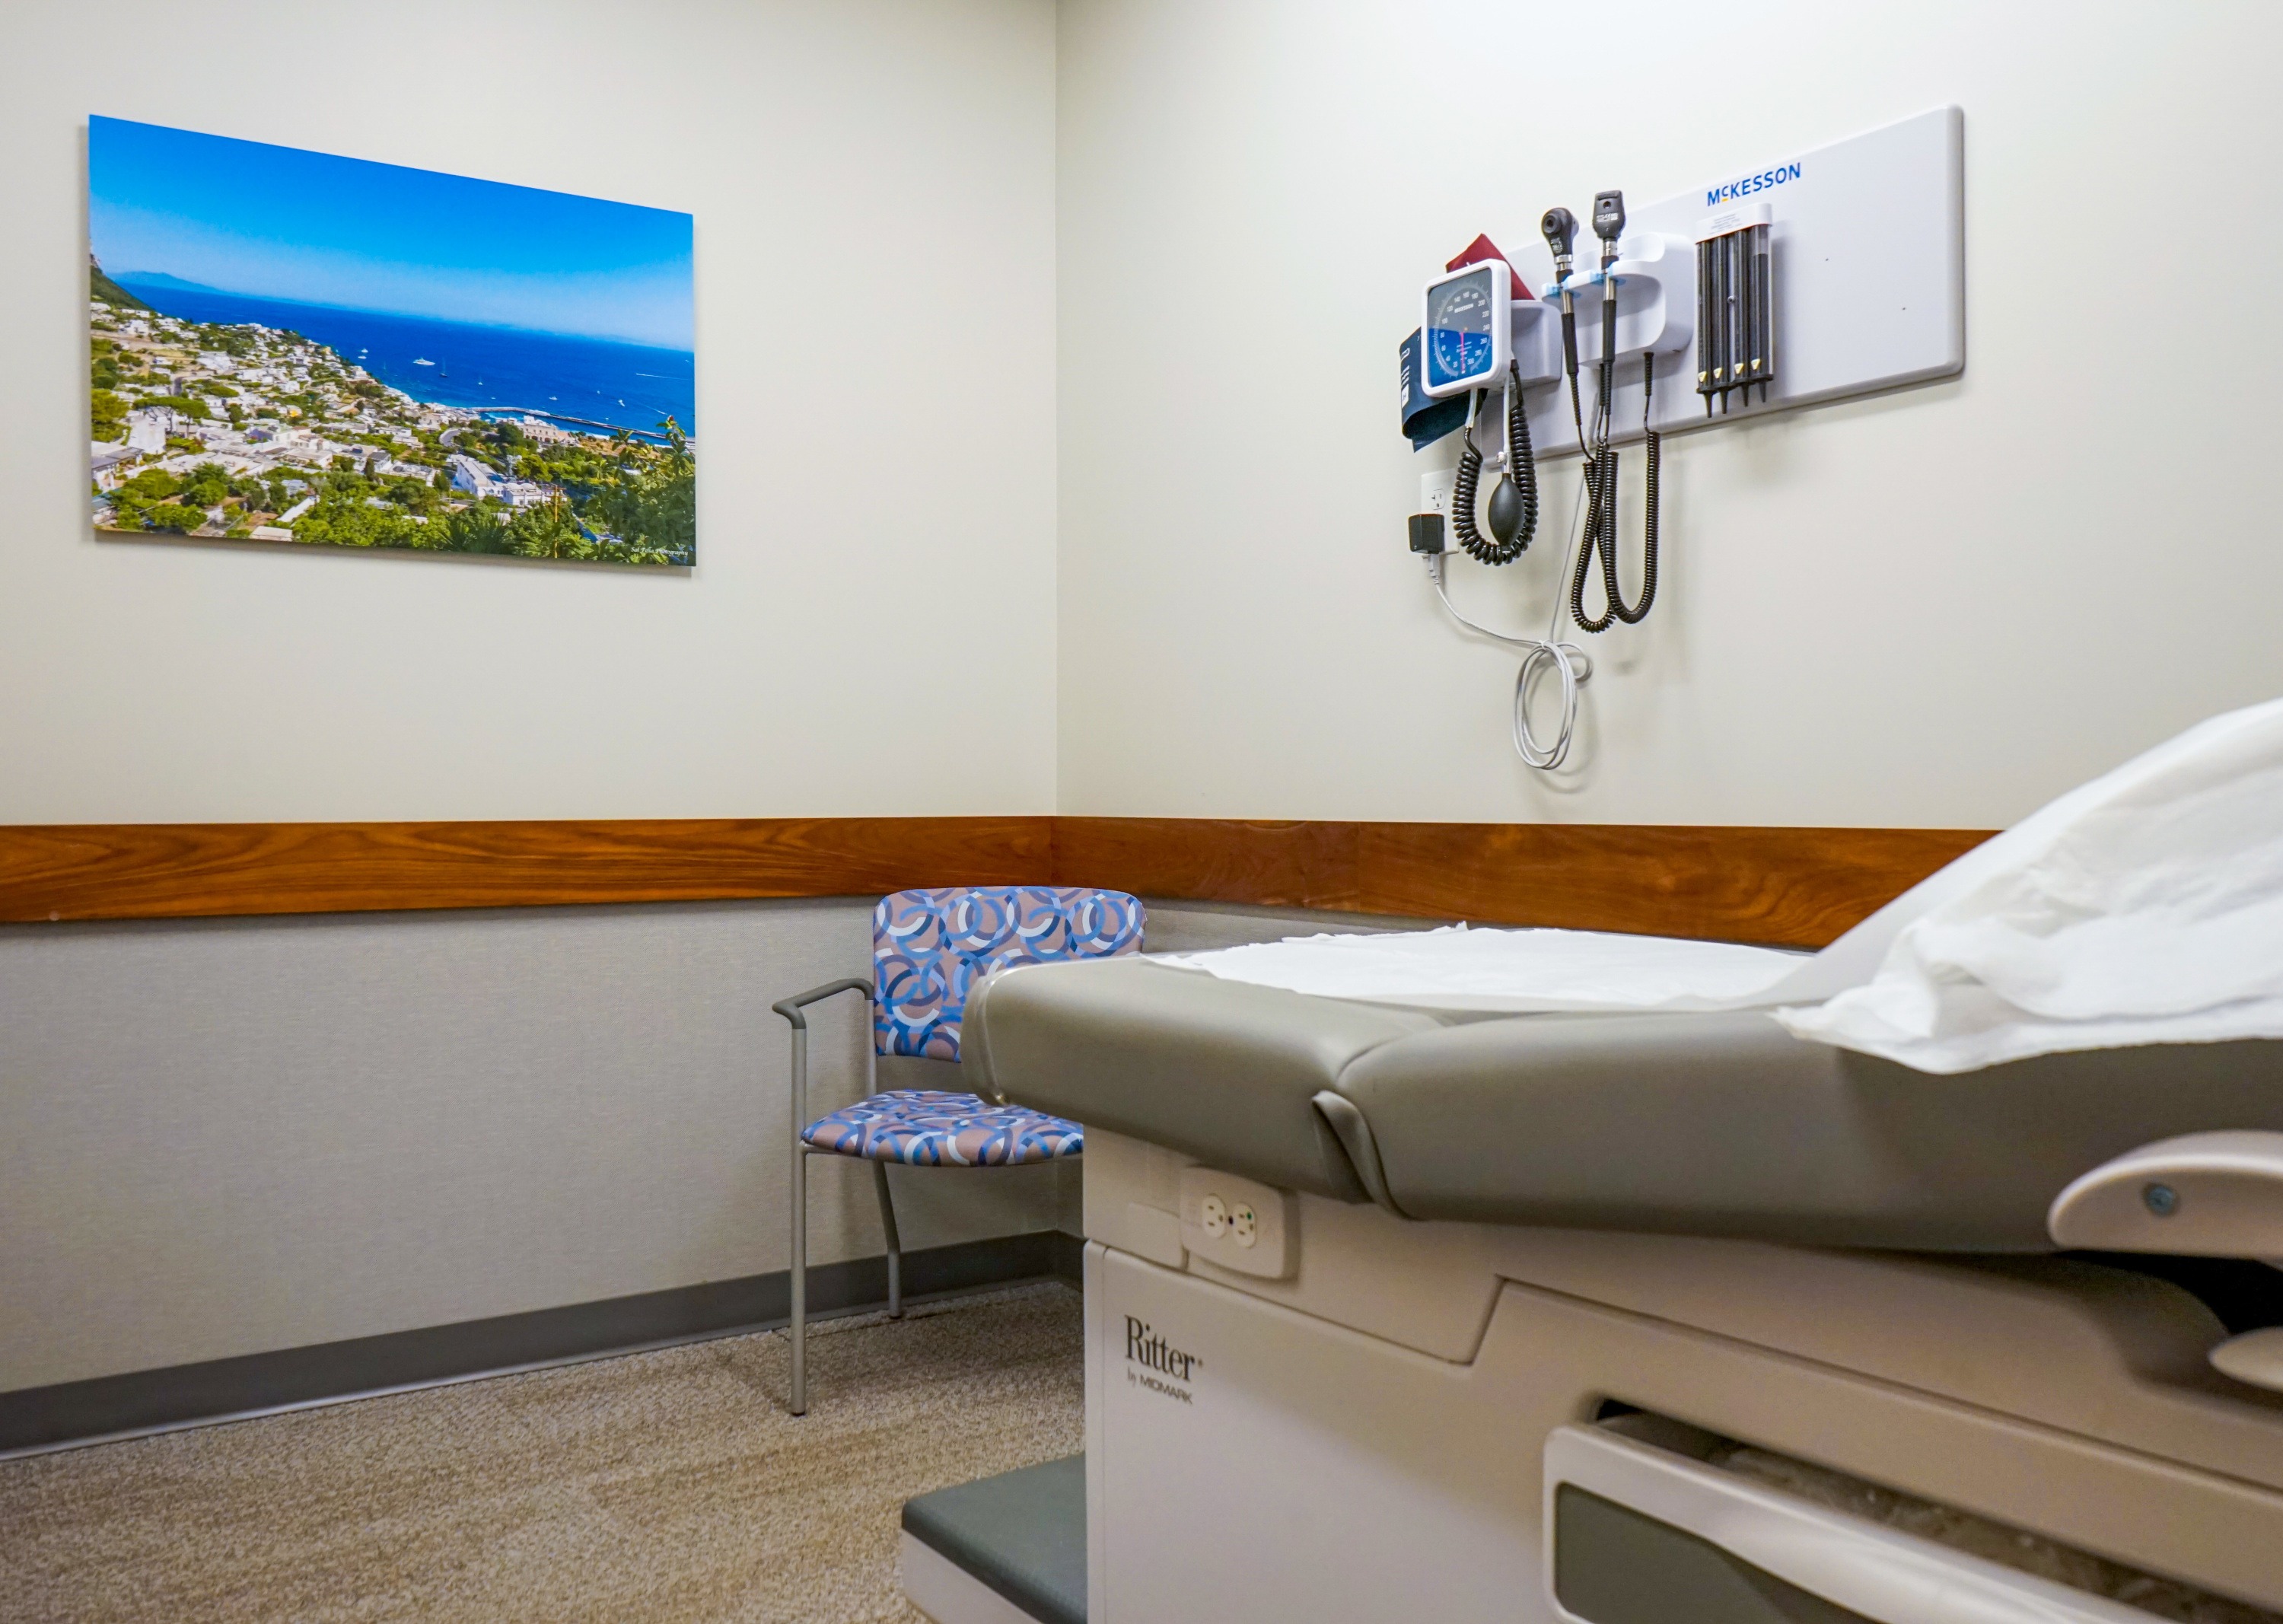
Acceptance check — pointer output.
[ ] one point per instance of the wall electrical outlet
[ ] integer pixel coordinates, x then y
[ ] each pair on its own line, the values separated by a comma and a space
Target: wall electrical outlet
1239, 1223
1212, 1216
1435, 491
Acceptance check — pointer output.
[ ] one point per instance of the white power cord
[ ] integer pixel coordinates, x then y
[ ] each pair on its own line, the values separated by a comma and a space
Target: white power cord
1571, 664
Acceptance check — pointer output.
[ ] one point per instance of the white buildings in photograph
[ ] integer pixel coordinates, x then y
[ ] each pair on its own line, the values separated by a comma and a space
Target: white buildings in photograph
147, 429
472, 477
479, 481
105, 460
251, 432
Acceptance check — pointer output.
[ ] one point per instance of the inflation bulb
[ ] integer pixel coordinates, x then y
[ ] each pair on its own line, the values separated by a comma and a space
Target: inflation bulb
1505, 511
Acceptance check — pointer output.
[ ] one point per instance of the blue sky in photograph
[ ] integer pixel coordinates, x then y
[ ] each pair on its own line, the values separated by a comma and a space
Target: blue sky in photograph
279, 222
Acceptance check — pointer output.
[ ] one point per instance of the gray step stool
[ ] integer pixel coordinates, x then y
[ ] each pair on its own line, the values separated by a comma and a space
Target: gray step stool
1008, 1550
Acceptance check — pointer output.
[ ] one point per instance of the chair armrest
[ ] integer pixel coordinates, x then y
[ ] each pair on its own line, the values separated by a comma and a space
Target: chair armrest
791, 1008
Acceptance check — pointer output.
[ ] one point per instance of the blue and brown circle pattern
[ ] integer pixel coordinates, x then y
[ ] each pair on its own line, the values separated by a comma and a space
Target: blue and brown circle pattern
929, 947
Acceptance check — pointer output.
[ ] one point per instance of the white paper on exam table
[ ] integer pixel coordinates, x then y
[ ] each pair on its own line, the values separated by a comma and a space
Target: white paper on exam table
1458, 967
2144, 907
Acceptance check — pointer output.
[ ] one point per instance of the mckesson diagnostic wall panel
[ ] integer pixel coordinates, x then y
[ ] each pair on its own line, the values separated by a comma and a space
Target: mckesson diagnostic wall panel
1869, 245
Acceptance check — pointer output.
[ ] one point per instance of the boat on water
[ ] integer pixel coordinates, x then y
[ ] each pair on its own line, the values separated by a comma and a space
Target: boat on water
422, 361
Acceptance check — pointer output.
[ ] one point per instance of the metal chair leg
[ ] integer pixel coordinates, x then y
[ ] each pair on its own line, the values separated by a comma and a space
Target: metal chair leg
799, 1398
895, 1247
790, 1008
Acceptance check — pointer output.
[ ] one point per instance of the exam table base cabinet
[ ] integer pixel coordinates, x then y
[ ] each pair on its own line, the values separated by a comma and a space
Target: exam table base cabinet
1250, 1456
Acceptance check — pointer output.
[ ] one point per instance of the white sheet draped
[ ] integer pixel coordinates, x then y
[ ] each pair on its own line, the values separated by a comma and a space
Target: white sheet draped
2145, 907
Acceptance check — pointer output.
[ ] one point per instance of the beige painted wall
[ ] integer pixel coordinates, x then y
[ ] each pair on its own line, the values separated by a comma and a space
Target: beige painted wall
1937, 608
877, 161
217, 1138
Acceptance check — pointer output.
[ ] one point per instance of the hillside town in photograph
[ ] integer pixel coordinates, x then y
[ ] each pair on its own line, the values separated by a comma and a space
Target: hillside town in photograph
243, 432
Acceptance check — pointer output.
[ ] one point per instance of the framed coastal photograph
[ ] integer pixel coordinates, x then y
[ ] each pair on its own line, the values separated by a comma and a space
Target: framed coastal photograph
309, 350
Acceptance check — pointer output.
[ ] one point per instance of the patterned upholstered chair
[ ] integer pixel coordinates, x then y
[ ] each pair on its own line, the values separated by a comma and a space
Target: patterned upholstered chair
929, 947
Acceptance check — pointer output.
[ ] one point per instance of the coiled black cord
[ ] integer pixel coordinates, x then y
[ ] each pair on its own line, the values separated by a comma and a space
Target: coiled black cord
1521, 459
1601, 518
1463, 485
1521, 469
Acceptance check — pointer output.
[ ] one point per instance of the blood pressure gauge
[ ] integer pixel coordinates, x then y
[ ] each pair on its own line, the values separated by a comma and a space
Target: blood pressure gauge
1468, 332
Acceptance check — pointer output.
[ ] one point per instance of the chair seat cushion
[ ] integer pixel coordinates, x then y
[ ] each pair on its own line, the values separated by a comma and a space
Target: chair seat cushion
929, 1128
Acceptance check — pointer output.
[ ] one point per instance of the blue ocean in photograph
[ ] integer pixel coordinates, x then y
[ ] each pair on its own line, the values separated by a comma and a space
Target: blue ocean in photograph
580, 380
294, 346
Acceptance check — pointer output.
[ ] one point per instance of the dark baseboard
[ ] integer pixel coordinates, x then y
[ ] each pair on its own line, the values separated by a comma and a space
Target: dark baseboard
35, 1418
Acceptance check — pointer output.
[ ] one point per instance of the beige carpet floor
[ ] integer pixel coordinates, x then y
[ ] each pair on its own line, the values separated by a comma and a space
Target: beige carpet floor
666, 1486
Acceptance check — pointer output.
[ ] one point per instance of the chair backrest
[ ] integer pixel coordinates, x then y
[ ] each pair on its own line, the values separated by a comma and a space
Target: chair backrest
930, 947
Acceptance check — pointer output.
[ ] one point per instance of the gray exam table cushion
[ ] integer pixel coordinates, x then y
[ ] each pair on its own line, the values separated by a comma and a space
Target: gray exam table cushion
1710, 1124
1182, 1059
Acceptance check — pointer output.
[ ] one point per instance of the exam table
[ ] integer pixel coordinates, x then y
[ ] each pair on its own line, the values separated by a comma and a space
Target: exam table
1624, 1318
1573, 1279
1688, 1123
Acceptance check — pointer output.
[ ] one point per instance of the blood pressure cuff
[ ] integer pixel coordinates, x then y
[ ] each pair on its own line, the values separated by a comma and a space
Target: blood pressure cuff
1425, 418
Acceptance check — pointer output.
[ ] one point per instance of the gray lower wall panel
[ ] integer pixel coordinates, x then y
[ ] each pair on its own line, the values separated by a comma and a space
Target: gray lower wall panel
225, 1137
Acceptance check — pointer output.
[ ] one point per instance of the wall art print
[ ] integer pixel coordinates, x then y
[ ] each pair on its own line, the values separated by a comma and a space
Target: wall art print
293, 348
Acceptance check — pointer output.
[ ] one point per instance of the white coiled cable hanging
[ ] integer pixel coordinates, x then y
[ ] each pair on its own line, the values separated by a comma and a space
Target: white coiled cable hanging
1571, 664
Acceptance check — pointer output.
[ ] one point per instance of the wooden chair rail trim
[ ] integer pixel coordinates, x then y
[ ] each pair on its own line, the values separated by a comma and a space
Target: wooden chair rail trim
1796, 887
176, 870
1783, 886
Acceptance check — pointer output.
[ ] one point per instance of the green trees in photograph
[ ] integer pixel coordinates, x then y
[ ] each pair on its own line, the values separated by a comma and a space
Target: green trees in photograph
236, 341
157, 499
549, 530
348, 521
151, 485
133, 501
623, 503
189, 405
652, 507
209, 485
174, 516
477, 529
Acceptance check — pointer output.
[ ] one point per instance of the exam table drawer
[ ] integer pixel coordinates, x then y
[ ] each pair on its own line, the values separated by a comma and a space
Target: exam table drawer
2060, 1488
1643, 1529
